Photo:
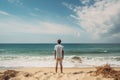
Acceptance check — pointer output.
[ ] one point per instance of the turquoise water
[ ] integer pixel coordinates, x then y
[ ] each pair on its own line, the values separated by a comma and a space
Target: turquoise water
70, 49
41, 55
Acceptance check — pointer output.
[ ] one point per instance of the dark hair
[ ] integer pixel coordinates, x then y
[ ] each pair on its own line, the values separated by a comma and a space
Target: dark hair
59, 41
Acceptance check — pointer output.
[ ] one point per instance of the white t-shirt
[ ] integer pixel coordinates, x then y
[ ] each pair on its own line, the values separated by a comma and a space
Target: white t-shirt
58, 49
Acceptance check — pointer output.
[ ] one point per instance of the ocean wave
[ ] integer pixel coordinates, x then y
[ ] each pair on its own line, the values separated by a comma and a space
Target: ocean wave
93, 51
2, 50
48, 61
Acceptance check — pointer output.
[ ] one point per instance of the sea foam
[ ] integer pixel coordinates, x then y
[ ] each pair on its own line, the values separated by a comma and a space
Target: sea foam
49, 61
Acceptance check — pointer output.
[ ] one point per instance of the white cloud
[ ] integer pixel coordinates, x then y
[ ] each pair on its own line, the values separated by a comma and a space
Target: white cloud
17, 2
68, 5
33, 14
85, 1
4, 13
99, 19
36, 27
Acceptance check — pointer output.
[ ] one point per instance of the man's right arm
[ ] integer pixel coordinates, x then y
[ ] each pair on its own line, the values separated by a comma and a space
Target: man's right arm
54, 54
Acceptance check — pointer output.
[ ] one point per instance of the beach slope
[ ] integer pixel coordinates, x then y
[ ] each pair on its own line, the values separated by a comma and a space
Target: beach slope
49, 74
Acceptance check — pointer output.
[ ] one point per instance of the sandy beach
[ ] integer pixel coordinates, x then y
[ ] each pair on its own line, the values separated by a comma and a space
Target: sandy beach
81, 62
48, 73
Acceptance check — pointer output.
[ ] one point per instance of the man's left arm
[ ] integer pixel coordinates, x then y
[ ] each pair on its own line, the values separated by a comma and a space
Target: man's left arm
54, 54
62, 54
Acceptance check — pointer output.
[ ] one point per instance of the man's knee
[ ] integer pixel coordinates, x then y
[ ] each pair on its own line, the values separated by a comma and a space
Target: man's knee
60, 63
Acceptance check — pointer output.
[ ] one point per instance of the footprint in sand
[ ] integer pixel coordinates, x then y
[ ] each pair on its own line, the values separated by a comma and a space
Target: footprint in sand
37, 72
38, 75
90, 72
78, 72
98, 78
15, 79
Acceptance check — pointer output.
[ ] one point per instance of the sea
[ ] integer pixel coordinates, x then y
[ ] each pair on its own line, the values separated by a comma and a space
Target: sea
42, 55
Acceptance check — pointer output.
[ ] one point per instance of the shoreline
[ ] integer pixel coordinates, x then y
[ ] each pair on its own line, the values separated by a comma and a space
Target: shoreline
26, 68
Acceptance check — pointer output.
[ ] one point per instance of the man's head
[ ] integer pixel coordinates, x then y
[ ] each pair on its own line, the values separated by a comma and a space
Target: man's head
59, 41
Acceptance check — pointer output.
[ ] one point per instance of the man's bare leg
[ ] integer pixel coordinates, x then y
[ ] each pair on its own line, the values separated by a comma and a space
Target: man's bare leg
61, 67
56, 66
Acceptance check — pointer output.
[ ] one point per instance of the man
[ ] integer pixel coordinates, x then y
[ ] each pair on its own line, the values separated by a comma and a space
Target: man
59, 55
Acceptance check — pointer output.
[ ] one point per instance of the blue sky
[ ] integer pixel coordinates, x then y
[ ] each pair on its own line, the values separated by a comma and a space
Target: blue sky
73, 21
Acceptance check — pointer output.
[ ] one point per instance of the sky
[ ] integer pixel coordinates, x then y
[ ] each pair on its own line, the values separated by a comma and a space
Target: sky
72, 21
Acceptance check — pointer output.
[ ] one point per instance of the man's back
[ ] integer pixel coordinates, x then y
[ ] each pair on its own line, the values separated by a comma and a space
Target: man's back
59, 49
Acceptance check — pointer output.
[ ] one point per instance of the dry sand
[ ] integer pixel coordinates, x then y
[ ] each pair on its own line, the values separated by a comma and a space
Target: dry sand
49, 74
